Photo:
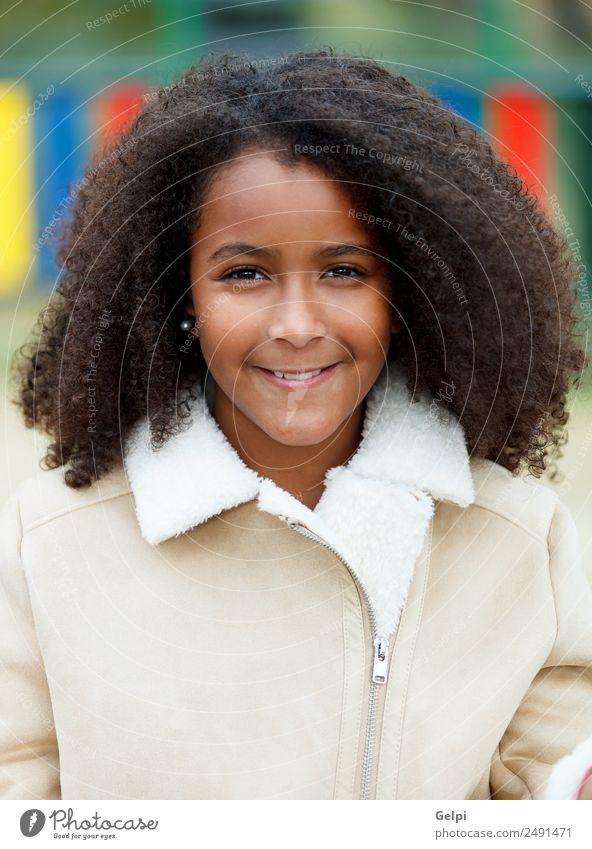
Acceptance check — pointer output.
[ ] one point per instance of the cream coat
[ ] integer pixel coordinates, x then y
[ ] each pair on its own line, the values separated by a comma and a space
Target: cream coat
185, 629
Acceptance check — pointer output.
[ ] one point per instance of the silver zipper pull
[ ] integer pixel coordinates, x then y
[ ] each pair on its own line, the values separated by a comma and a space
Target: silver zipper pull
287, 519
293, 522
380, 668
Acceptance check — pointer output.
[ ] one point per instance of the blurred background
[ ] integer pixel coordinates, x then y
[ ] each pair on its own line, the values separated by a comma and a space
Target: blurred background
73, 73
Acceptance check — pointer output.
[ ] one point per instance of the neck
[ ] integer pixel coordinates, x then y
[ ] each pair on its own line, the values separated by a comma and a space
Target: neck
297, 469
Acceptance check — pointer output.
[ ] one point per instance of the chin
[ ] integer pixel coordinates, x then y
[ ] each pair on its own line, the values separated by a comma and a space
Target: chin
300, 434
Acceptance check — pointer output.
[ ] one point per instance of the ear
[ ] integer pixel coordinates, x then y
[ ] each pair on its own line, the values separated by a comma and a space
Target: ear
395, 325
189, 308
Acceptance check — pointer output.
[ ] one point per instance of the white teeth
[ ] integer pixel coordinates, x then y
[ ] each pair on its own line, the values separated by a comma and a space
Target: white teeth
301, 376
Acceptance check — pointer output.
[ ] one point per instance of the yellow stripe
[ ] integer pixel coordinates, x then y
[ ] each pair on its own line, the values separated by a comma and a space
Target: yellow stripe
17, 223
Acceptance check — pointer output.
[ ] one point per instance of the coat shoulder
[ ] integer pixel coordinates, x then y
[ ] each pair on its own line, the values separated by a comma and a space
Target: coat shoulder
522, 500
46, 495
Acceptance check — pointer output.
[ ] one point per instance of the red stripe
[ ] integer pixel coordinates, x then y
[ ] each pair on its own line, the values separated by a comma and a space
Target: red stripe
521, 124
116, 109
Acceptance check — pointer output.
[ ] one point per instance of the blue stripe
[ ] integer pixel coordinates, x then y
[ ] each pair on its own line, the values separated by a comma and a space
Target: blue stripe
59, 128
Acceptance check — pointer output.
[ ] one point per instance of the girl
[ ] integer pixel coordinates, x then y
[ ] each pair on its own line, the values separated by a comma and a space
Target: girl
300, 351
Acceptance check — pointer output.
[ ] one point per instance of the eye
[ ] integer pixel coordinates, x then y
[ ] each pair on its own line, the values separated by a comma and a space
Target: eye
345, 272
244, 269
338, 269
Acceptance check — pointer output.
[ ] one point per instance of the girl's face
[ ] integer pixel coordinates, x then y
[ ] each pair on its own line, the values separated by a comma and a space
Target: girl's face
284, 279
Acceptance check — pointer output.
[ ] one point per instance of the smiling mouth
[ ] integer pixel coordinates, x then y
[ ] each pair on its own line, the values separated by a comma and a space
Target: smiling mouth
293, 379
298, 375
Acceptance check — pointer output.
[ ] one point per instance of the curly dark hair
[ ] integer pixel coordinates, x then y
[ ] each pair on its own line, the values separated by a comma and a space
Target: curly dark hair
485, 284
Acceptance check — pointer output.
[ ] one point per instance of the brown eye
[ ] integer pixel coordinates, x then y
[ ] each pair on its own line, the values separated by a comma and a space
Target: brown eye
354, 272
230, 275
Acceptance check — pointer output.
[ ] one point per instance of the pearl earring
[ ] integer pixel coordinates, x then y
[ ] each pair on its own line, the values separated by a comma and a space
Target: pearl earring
186, 325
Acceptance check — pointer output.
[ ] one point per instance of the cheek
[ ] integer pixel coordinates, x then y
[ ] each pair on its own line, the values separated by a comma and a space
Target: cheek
231, 329
371, 323
227, 333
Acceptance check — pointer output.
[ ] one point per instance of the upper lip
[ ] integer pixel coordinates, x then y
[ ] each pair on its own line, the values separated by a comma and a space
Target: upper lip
297, 369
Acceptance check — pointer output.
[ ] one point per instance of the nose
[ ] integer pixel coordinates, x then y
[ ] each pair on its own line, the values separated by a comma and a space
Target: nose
297, 320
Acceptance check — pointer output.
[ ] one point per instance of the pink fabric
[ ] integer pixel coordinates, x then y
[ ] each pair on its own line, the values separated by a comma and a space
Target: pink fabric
583, 781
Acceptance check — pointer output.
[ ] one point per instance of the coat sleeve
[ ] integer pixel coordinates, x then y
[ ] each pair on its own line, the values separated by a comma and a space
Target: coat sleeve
547, 748
29, 764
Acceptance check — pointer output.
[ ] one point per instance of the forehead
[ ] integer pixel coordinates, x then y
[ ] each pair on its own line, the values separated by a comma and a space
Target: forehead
259, 194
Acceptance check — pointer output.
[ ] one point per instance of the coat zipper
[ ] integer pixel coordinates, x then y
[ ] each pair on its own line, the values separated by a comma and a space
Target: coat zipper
380, 662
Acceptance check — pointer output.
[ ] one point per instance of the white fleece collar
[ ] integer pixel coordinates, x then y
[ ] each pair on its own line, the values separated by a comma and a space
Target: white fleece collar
374, 511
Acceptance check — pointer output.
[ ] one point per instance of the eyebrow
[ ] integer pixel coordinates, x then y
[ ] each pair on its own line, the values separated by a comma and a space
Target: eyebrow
231, 249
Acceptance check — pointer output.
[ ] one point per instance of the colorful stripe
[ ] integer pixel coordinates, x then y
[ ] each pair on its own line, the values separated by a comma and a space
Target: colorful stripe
17, 181
522, 129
